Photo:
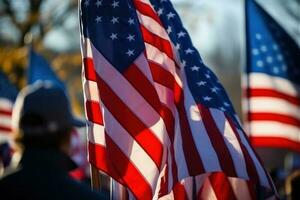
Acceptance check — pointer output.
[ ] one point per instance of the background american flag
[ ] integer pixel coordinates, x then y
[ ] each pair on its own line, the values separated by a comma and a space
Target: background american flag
272, 100
156, 114
8, 94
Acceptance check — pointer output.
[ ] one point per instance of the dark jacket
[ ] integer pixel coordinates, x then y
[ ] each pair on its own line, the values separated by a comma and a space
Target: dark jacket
43, 175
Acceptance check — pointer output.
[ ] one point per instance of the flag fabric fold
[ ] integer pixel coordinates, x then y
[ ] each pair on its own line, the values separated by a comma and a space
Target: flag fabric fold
156, 114
271, 83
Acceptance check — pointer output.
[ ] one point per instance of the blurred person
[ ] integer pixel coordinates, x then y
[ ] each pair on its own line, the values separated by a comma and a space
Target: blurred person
42, 123
292, 186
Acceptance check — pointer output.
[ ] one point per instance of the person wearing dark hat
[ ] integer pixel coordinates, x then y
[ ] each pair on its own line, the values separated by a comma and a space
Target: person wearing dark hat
42, 122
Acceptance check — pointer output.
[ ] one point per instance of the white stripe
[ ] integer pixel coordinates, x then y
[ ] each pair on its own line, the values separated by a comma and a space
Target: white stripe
274, 129
273, 105
152, 26
86, 50
264, 81
259, 168
6, 104
231, 142
127, 93
156, 56
200, 136
208, 191
166, 96
142, 63
240, 188
182, 169
134, 152
91, 90
96, 133
5, 121
188, 187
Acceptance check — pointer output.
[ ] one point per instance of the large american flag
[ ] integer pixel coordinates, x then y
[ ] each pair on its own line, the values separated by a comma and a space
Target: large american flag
156, 114
8, 94
272, 82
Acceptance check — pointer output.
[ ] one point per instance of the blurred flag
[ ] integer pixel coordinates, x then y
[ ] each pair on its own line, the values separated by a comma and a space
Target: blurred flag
8, 94
39, 69
156, 114
272, 101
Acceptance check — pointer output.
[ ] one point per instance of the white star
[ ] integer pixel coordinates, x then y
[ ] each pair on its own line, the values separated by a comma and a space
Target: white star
275, 47
279, 57
259, 63
130, 52
195, 68
115, 20
263, 48
160, 11
87, 3
99, 3
115, 4
183, 63
258, 36
226, 104
170, 15
177, 46
222, 109
189, 51
113, 36
207, 76
130, 21
275, 70
255, 52
214, 89
201, 83
98, 19
169, 29
181, 34
130, 37
269, 59
207, 98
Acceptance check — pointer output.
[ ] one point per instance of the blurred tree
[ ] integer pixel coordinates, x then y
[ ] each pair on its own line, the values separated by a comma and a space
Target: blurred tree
51, 27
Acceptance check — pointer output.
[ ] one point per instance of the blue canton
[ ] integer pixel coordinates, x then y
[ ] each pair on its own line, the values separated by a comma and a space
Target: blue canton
204, 85
113, 28
270, 49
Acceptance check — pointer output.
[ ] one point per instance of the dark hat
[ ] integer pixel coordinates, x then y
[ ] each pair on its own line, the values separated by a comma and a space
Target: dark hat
46, 102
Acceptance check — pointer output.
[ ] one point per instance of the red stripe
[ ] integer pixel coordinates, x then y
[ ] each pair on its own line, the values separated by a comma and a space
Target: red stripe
180, 192
140, 82
146, 10
99, 158
262, 116
221, 186
252, 173
138, 130
275, 142
163, 77
217, 140
89, 69
5, 112
5, 129
93, 112
131, 176
273, 93
163, 45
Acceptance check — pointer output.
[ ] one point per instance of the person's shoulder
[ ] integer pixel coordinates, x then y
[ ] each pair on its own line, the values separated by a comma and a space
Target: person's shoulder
80, 190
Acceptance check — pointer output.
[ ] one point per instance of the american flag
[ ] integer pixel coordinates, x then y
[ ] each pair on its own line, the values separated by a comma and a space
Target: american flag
156, 114
8, 94
272, 82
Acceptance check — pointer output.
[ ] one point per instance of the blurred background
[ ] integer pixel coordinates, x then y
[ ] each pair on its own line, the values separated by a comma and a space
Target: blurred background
215, 26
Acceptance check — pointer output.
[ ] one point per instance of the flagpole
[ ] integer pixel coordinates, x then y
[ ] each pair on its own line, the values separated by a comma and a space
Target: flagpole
95, 178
